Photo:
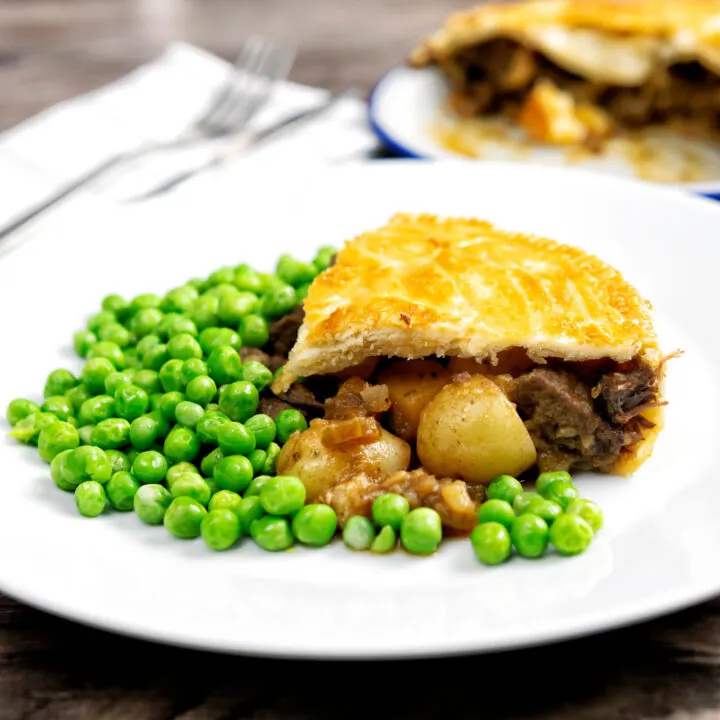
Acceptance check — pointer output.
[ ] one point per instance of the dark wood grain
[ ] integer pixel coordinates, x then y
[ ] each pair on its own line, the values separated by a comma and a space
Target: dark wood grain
49, 668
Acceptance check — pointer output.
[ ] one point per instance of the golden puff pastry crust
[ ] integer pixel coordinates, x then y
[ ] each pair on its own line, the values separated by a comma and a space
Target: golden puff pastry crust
616, 41
423, 285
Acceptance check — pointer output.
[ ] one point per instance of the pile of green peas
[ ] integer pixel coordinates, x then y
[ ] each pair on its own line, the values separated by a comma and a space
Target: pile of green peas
419, 530
162, 418
531, 521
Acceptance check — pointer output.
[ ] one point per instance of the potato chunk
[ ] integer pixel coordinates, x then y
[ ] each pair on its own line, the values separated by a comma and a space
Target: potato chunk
470, 430
321, 467
412, 385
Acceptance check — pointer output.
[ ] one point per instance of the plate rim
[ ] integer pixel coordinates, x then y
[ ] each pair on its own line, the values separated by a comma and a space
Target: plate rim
709, 190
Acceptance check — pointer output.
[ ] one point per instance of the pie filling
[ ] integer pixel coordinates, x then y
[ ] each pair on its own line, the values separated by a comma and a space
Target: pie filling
496, 77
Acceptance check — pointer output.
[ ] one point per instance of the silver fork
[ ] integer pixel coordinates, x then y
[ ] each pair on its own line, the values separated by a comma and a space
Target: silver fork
245, 91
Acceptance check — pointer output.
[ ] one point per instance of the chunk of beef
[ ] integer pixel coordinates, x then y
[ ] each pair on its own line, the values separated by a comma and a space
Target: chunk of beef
271, 405
566, 429
272, 362
284, 332
356, 398
625, 395
302, 398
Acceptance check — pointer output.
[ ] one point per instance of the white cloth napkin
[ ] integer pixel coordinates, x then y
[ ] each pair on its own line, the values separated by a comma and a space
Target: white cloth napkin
156, 103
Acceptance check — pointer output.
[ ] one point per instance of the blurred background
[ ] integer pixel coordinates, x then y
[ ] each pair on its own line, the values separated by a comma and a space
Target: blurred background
51, 50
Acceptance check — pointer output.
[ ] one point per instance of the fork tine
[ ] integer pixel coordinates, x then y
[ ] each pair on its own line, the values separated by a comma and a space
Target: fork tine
277, 66
239, 88
245, 58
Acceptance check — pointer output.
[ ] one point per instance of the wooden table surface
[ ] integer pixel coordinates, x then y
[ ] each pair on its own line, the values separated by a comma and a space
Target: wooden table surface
49, 668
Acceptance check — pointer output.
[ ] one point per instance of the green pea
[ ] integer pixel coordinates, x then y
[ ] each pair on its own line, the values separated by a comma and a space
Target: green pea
179, 299
59, 406
208, 463
168, 404
288, 422
545, 479
246, 279
273, 452
279, 301
94, 374
115, 380
77, 396
208, 426
132, 453
29, 428
256, 486
224, 365
115, 304
235, 439
204, 312
247, 509
529, 535
197, 283
156, 402
522, 502
571, 534
151, 503
19, 409
156, 357
85, 434
589, 511
115, 333
112, 433
102, 318
225, 500
55, 438
175, 471
282, 495
144, 431
201, 389
213, 337
147, 343
90, 498
146, 321
491, 543
181, 444
254, 330
222, 276
496, 511
548, 510
86, 463
270, 282
294, 272
421, 531
132, 359
188, 413
358, 533
301, 292
110, 351
119, 461
263, 429
257, 459
385, 541
192, 485
314, 525
148, 380
257, 374
184, 517
232, 308
83, 340
390, 509
561, 492
324, 257
239, 400
504, 487
96, 409
184, 347
233, 472
194, 367
175, 324
56, 472
271, 533
59, 382
140, 302
150, 467
131, 402
220, 529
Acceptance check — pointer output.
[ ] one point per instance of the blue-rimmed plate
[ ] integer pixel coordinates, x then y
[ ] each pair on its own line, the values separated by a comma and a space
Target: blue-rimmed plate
408, 111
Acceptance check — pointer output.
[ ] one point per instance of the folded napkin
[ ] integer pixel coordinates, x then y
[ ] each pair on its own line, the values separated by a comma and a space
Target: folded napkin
156, 103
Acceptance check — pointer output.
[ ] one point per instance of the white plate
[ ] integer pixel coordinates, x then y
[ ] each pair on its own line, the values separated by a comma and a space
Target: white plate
658, 551
406, 104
